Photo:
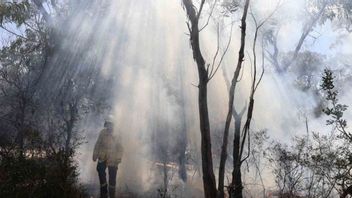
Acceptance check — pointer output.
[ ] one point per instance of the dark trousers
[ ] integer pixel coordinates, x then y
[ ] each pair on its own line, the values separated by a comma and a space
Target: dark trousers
101, 167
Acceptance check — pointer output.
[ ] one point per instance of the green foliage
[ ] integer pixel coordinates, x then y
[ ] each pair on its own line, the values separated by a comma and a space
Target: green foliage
319, 164
337, 11
306, 67
36, 155
230, 6
334, 109
15, 12
49, 175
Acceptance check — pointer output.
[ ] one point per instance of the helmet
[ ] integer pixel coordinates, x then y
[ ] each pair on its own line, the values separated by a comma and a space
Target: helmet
109, 120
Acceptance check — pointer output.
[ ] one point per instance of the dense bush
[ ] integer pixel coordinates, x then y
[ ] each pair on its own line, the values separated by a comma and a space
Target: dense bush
52, 175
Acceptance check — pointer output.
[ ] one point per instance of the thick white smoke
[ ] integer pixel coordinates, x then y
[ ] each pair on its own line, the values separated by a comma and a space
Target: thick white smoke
146, 48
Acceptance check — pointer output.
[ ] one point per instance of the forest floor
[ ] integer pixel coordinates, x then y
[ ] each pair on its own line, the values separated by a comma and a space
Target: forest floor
94, 192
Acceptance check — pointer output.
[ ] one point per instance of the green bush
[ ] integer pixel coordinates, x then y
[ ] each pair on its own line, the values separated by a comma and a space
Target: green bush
54, 175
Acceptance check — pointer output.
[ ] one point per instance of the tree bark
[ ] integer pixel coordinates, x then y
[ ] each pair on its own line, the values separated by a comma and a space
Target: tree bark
237, 132
235, 189
236, 185
21, 117
209, 183
70, 123
183, 139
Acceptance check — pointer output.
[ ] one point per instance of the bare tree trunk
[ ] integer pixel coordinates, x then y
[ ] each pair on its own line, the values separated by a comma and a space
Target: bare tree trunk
307, 30
237, 132
207, 161
68, 138
165, 179
21, 126
236, 185
304, 35
209, 183
235, 189
182, 150
182, 141
70, 123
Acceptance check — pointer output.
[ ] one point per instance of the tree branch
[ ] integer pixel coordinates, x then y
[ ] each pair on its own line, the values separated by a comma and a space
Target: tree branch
222, 56
11, 32
210, 14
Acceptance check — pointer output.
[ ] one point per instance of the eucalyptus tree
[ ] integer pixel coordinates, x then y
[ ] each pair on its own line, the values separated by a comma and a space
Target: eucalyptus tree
317, 14
22, 65
206, 73
209, 183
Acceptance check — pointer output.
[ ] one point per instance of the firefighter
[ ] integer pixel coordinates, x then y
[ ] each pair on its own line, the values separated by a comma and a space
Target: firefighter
108, 151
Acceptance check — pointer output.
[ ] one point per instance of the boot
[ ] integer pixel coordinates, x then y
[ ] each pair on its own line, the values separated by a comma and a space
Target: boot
112, 191
104, 192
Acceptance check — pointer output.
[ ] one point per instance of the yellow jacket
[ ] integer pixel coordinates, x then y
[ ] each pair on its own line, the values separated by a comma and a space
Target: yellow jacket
108, 148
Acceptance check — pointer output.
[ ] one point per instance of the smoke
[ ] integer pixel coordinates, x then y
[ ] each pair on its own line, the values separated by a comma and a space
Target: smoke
144, 47
136, 55
153, 103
